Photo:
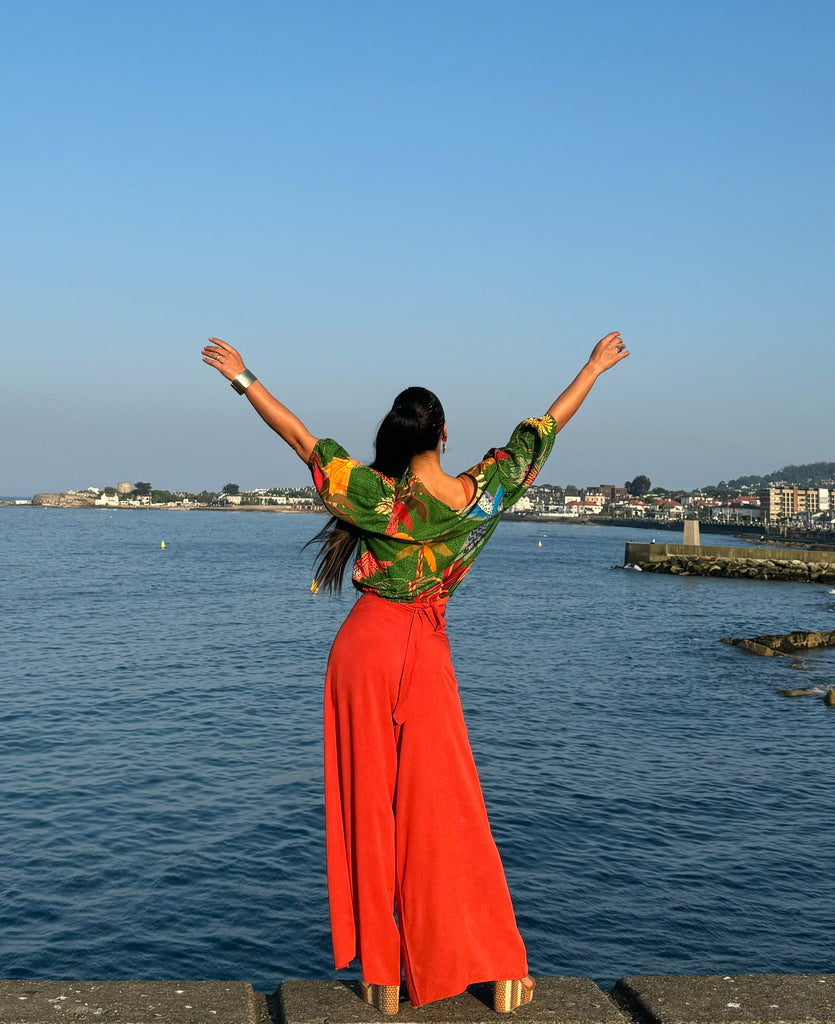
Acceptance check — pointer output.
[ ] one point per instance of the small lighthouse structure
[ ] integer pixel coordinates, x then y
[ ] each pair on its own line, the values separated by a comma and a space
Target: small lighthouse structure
691, 530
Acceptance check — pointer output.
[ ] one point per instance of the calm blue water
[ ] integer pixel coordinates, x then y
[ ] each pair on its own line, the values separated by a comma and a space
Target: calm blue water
658, 807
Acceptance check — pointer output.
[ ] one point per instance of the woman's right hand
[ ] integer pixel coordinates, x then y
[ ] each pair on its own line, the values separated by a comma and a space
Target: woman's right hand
225, 359
607, 352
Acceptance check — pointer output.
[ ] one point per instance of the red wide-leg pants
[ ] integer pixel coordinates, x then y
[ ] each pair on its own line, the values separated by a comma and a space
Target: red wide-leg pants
407, 829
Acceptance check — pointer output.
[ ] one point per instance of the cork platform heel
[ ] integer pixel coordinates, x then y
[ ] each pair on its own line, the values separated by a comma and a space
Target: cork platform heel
384, 998
510, 994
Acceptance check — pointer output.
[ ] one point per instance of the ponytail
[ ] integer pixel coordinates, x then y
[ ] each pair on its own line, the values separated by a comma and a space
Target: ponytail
337, 542
413, 425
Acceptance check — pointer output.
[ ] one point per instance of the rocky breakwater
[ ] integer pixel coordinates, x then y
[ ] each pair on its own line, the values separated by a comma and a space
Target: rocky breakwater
784, 645
736, 563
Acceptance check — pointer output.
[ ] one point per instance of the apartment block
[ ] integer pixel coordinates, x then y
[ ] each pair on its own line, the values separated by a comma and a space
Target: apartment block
785, 501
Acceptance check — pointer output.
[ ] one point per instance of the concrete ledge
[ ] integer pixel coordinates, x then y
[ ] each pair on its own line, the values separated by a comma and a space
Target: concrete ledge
556, 1001
128, 1002
729, 999
645, 999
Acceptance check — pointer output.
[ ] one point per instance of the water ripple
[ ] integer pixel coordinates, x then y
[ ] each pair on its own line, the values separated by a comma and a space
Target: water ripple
657, 806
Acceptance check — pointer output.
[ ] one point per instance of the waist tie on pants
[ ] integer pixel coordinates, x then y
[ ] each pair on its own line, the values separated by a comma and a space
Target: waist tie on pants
414, 876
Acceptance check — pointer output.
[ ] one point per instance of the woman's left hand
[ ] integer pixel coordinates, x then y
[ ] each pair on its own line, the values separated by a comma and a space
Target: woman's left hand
223, 358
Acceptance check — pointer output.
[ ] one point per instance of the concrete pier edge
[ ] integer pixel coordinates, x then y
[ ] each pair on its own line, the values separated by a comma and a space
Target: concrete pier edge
639, 999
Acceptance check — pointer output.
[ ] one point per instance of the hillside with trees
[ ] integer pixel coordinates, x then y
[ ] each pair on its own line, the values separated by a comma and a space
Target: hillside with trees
811, 474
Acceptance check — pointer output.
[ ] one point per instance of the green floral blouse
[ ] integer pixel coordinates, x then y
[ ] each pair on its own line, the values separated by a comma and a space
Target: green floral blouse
413, 547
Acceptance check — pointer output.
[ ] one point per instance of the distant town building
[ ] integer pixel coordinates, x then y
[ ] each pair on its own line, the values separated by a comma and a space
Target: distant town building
783, 502
634, 506
669, 508
612, 493
742, 509
124, 488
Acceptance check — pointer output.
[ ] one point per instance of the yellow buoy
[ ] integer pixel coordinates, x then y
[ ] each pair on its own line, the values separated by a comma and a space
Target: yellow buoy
540, 543
314, 587
162, 545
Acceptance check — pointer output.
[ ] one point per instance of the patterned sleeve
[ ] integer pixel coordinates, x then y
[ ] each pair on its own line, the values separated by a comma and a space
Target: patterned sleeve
349, 489
506, 473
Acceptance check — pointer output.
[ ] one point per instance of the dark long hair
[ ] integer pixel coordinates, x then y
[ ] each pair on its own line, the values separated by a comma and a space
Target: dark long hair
413, 425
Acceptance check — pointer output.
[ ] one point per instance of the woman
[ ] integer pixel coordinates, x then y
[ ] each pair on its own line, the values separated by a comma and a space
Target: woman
415, 882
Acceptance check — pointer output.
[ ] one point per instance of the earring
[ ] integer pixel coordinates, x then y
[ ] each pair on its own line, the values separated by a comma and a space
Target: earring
443, 447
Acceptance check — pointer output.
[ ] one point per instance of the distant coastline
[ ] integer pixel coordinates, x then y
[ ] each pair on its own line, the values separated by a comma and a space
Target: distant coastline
124, 507
756, 533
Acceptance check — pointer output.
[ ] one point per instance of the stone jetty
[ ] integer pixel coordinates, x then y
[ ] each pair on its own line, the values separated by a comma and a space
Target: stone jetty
642, 999
738, 563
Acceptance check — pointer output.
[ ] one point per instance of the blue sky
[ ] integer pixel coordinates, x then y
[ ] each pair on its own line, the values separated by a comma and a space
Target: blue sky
465, 195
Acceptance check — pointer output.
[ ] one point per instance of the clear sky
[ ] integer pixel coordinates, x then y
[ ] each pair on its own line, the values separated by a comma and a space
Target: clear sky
464, 194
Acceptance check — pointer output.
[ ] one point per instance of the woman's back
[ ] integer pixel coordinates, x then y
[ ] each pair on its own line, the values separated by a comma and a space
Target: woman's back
454, 491
418, 539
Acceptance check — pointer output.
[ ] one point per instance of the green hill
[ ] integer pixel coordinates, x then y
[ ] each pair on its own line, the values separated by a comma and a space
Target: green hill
811, 474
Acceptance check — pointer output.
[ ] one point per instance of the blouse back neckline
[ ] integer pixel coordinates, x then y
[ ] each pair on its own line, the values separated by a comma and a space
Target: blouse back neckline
413, 476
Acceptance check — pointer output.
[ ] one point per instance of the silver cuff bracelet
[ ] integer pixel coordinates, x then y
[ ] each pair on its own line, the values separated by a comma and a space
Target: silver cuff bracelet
243, 381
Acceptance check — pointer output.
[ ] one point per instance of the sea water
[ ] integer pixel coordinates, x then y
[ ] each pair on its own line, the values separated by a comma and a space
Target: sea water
658, 806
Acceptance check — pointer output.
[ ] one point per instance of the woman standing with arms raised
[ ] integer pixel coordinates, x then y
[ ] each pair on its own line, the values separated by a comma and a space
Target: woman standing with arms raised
415, 882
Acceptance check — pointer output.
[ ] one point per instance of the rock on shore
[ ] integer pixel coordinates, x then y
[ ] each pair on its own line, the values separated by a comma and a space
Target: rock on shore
62, 500
783, 643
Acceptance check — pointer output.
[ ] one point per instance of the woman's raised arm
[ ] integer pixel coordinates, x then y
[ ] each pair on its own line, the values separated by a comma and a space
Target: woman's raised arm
227, 361
605, 354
